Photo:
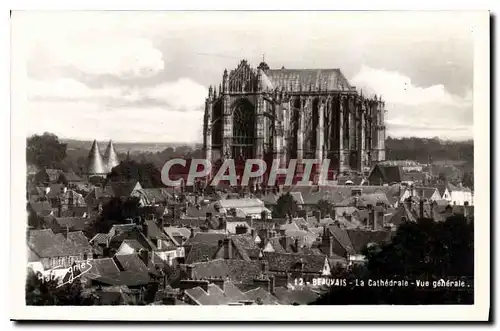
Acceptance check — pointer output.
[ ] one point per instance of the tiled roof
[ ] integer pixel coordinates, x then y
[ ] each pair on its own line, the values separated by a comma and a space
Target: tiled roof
367, 199
342, 237
305, 79
185, 232
134, 264
134, 244
104, 267
284, 262
390, 173
275, 243
259, 294
232, 225
122, 189
236, 270
297, 196
53, 174
72, 177
56, 190
39, 207
299, 296
207, 238
44, 243
200, 252
100, 239
154, 195
361, 238
154, 231
425, 192
195, 294
269, 199
233, 293
240, 203
79, 240
73, 223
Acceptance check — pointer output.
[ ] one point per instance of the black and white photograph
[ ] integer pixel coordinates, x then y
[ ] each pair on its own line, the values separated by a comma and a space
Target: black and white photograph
180, 160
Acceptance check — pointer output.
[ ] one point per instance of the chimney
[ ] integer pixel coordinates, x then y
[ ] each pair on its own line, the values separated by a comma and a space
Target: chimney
144, 255
265, 266
189, 271
421, 209
264, 283
145, 228
263, 215
66, 231
272, 284
192, 233
227, 248
317, 214
409, 202
249, 220
431, 205
371, 222
219, 282
222, 223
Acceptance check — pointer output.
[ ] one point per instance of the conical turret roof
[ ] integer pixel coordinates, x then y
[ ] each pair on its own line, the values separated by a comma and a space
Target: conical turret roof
95, 165
110, 157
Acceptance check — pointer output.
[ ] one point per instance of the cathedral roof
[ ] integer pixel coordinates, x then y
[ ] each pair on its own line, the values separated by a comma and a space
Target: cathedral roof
317, 79
110, 157
95, 165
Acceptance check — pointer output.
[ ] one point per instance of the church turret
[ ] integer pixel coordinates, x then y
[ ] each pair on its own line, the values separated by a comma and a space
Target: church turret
225, 82
95, 164
110, 157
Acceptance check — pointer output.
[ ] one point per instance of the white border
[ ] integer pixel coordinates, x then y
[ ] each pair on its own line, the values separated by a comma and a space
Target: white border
479, 311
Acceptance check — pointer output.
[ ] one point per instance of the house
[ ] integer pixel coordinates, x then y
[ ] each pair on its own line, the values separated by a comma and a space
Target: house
46, 177
388, 174
460, 195
71, 178
221, 293
426, 193
122, 189
65, 224
240, 272
288, 266
152, 196
349, 243
241, 247
53, 251
243, 207
385, 174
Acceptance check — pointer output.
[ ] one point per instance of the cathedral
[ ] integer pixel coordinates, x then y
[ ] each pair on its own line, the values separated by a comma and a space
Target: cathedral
283, 114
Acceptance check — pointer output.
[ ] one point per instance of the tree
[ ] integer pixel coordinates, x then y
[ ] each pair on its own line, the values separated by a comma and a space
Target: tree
40, 292
285, 206
145, 173
45, 151
424, 251
115, 211
325, 207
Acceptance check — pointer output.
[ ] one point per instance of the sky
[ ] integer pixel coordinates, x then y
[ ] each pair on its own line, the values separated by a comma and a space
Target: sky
144, 76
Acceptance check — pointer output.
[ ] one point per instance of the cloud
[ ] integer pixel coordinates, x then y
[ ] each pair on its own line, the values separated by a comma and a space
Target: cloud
126, 58
183, 94
415, 110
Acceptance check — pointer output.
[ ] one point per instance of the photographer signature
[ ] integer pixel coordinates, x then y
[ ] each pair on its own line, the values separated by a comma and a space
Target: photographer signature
75, 272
